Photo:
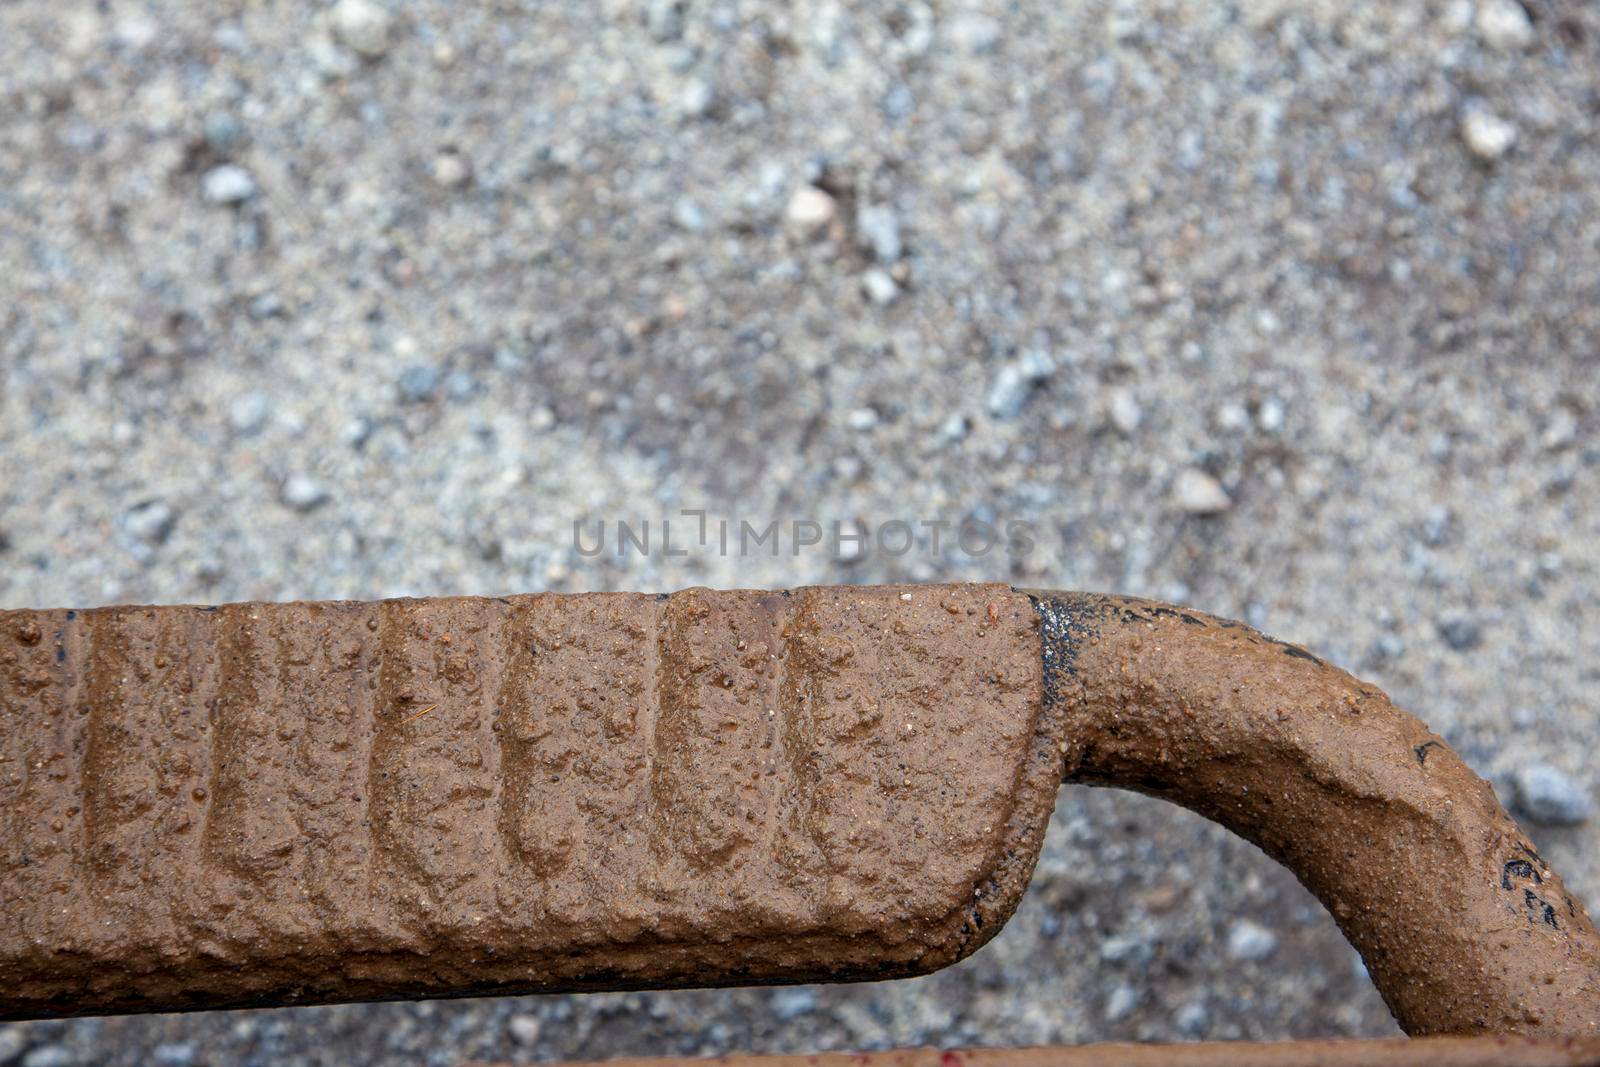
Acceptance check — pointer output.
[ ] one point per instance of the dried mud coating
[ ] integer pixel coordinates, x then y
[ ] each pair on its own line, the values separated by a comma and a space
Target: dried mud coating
272, 804
1463, 926
293, 803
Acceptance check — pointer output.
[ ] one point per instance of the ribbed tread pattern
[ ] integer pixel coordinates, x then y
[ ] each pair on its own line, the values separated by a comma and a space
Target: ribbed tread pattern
310, 802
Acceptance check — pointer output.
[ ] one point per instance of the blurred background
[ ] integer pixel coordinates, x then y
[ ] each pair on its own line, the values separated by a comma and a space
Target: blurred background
1285, 309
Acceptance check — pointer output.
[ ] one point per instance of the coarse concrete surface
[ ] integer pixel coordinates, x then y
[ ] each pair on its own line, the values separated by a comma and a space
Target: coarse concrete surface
1285, 310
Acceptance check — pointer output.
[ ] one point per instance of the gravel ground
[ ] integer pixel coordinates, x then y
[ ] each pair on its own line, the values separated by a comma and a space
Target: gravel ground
1287, 310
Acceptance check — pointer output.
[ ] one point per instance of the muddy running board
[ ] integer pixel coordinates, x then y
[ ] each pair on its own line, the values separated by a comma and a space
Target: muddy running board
266, 804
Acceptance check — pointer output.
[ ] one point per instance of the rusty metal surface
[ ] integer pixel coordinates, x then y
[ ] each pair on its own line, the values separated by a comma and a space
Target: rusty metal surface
270, 804
1423, 1052
1463, 925
300, 803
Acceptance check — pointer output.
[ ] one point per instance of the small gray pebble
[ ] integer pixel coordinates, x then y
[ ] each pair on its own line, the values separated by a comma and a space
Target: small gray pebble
1549, 797
13, 1039
1461, 633
697, 99
266, 306
1436, 527
664, 19
975, 32
1121, 1002
249, 412
173, 1055
418, 383
953, 429
1014, 383
1037, 364
899, 102
50, 1056
686, 215
304, 493
1192, 1020
1127, 948
1122, 408
1560, 431
1248, 940
151, 522
879, 230
789, 1004
357, 432
1008, 392
227, 184
222, 131
1386, 649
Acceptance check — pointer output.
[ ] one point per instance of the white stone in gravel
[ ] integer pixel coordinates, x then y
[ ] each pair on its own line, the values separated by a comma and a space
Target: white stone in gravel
303, 493
1122, 408
975, 32
1008, 392
664, 19
1504, 24
686, 214
249, 412
1192, 1020
863, 419
357, 431
1037, 364
418, 382
1197, 493
788, 1004
450, 170
50, 1056
151, 522
174, 1054
810, 212
953, 429
1233, 418
1549, 797
227, 184
1248, 940
1121, 1002
1121, 948
879, 230
1560, 431
13, 1039
879, 287
524, 1029
1487, 135
362, 26
1270, 415
697, 98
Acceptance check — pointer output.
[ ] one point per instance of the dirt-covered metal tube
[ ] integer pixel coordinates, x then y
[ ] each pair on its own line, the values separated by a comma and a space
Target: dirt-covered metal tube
1463, 925
265, 804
